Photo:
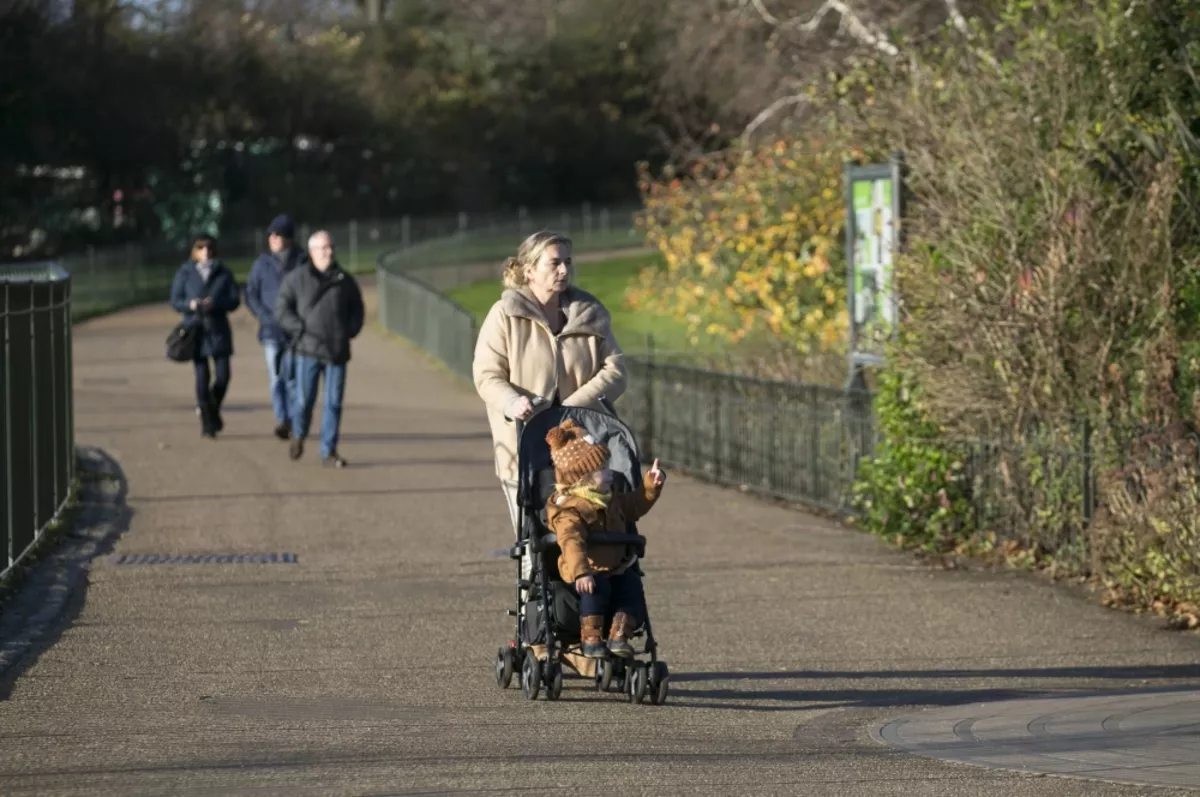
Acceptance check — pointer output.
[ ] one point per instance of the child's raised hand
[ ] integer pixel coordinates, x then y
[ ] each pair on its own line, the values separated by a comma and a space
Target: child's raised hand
657, 475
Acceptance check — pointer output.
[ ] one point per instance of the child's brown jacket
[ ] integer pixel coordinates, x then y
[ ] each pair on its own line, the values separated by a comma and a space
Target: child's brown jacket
571, 518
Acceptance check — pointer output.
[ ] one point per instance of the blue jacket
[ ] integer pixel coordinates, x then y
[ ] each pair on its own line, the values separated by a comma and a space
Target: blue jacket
216, 337
262, 291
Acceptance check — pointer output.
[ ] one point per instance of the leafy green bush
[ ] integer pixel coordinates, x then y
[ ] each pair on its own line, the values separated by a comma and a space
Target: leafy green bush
915, 490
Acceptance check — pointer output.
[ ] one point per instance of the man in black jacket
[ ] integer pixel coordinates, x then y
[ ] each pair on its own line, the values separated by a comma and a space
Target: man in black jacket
320, 308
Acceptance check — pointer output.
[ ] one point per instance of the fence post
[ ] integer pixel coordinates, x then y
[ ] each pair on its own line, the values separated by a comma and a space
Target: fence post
814, 441
1089, 496
587, 220
131, 265
354, 245
522, 220
406, 232
604, 221
462, 224
91, 259
38, 520
718, 437
650, 444
6, 458
381, 277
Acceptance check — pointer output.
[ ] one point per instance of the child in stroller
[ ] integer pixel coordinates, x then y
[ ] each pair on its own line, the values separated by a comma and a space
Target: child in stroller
583, 503
548, 633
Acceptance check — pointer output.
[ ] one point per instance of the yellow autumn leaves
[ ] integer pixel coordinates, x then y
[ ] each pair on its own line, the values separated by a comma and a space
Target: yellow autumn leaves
752, 244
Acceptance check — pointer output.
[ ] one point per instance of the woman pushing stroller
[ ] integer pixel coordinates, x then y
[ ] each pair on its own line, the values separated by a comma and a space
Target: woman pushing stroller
603, 575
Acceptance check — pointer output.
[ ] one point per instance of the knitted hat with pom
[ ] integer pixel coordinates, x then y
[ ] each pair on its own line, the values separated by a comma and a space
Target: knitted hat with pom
575, 453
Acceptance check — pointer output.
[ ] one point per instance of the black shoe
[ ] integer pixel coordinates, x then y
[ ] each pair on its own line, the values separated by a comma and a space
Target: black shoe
296, 448
334, 461
594, 650
214, 407
207, 427
283, 430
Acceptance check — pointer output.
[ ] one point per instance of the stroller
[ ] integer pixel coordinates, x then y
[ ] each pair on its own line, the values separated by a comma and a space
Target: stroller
547, 609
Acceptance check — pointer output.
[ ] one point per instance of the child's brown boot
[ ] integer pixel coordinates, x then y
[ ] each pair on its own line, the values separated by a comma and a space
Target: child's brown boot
591, 636
618, 637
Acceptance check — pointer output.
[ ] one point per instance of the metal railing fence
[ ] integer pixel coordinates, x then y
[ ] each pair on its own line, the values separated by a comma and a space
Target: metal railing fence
37, 437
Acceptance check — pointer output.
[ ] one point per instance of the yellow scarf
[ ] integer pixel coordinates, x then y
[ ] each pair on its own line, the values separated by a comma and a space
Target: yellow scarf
589, 494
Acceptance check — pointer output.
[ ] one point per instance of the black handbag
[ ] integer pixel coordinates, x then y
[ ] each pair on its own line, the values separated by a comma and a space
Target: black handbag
184, 338
182, 342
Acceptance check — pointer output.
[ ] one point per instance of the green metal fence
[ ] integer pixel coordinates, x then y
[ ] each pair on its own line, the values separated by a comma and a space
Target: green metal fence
411, 308
787, 440
109, 278
37, 430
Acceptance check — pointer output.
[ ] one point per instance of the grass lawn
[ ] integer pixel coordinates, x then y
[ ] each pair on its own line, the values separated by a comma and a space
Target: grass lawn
607, 280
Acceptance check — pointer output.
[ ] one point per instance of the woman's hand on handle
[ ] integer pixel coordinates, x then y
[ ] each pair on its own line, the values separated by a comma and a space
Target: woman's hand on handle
519, 409
656, 475
585, 584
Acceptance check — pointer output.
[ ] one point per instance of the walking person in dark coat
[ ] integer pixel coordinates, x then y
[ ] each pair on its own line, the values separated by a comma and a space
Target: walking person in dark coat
262, 294
205, 293
321, 310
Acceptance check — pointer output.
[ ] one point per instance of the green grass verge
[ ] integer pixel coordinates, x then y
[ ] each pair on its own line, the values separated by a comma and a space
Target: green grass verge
608, 281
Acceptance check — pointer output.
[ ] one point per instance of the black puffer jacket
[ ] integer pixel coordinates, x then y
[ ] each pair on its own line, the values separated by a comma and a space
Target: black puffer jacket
321, 313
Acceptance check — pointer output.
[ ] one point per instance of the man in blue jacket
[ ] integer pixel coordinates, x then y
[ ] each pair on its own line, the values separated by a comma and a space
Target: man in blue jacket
262, 294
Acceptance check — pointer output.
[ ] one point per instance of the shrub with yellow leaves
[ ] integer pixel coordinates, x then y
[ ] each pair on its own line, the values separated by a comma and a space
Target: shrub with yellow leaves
752, 244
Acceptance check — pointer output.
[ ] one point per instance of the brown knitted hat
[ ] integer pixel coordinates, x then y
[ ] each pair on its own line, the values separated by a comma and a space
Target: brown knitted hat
575, 453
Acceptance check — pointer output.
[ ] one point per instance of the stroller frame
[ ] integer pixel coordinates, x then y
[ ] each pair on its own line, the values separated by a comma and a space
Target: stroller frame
643, 678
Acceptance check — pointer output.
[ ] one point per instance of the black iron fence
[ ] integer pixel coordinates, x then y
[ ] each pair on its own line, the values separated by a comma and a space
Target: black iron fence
414, 310
787, 440
37, 438
108, 278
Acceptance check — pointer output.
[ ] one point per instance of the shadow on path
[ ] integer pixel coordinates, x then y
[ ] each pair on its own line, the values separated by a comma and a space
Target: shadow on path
52, 596
817, 697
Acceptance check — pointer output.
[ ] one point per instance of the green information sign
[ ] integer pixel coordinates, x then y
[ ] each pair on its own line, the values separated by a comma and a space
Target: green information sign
872, 216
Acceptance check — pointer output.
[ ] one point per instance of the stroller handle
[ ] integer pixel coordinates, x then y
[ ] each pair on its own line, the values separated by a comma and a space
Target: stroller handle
537, 401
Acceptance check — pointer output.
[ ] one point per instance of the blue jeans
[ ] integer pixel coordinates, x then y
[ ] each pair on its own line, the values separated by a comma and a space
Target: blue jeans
308, 371
613, 594
283, 386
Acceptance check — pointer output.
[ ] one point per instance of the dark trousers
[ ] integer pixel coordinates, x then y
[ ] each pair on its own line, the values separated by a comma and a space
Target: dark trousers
211, 385
613, 594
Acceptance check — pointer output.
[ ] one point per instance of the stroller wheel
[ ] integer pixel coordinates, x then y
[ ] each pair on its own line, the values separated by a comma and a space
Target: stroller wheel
504, 667
604, 675
554, 679
636, 682
660, 683
531, 677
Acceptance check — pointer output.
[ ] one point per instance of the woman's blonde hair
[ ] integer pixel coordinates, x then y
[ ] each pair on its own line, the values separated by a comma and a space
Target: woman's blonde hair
528, 254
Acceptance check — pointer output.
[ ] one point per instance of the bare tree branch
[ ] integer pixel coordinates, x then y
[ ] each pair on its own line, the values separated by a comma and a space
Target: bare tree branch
771, 110
858, 29
959, 23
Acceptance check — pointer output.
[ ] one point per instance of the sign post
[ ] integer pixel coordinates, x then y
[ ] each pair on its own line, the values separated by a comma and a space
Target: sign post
873, 211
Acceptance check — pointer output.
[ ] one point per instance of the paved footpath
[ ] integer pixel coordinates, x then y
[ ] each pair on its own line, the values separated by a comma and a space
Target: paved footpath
365, 667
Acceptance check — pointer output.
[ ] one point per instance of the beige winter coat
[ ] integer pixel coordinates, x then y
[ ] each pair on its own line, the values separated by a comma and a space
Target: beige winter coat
516, 355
